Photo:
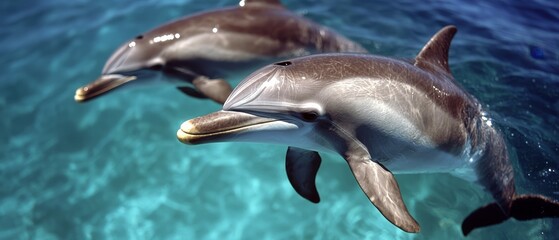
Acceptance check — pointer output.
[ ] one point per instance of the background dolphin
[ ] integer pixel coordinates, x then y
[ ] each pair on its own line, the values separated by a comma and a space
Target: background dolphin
200, 50
382, 115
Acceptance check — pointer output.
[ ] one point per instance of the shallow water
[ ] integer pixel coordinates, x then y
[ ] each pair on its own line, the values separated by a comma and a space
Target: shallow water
113, 169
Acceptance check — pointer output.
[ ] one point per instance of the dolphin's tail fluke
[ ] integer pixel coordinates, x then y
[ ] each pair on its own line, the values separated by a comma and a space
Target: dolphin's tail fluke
524, 207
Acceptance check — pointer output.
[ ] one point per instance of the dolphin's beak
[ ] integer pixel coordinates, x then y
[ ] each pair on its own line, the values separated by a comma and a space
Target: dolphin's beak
232, 126
102, 85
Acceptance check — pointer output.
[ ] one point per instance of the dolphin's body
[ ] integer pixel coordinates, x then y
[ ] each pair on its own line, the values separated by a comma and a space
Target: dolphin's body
382, 115
201, 50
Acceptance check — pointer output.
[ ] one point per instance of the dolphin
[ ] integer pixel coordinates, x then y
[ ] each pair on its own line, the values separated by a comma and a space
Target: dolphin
199, 51
383, 116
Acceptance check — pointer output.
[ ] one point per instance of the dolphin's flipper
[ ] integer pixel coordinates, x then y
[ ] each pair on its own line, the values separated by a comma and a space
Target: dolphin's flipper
524, 207
382, 190
191, 92
301, 166
215, 89
204, 87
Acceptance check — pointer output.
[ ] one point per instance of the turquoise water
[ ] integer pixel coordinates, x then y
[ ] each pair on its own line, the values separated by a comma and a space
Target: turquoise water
113, 169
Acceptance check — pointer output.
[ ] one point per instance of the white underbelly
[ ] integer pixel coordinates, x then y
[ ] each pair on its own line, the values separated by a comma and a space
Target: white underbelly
425, 160
392, 128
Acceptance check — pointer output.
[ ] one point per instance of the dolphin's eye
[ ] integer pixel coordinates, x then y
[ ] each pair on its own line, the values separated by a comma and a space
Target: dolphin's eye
156, 67
286, 63
309, 116
140, 37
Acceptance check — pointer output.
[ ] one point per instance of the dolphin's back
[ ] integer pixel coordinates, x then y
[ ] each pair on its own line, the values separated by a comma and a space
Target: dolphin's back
443, 91
291, 34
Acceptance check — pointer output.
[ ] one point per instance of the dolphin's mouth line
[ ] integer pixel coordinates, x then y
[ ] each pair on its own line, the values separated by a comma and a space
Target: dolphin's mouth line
100, 86
230, 126
228, 130
188, 134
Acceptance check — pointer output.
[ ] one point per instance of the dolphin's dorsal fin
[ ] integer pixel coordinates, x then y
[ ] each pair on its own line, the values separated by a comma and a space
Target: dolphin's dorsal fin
301, 166
434, 55
244, 3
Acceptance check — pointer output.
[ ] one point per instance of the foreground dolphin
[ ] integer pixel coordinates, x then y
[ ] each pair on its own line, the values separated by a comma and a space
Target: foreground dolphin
202, 49
382, 115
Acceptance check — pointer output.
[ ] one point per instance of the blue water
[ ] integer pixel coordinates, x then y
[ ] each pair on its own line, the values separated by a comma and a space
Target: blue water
113, 169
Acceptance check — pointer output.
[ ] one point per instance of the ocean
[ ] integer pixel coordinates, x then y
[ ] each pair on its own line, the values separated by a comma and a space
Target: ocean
112, 168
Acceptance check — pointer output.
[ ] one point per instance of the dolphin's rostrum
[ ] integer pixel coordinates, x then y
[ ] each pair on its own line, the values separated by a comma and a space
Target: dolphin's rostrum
199, 52
381, 115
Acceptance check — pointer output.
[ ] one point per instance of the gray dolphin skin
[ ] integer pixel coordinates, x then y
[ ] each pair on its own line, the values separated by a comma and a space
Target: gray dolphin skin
199, 52
382, 116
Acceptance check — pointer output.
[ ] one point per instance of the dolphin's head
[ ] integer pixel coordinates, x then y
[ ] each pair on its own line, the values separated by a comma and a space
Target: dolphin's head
281, 103
139, 58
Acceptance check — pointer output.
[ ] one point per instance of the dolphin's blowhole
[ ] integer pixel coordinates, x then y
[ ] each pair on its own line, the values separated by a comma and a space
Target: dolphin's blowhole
285, 63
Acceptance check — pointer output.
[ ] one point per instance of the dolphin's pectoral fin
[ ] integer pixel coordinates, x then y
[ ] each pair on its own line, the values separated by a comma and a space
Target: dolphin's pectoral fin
301, 166
523, 207
215, 89
191, 92
204, 87
382, 190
